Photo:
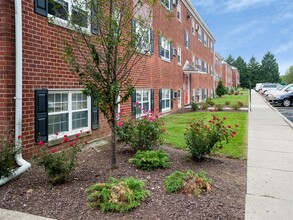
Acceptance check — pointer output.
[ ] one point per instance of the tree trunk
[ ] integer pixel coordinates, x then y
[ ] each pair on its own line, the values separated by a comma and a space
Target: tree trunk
113, 144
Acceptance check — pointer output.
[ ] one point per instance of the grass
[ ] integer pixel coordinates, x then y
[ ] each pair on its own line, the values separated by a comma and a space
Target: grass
233, 98
176, 124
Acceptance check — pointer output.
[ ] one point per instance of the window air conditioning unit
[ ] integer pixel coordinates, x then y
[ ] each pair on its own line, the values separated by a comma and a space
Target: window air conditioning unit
174, 52
196, 26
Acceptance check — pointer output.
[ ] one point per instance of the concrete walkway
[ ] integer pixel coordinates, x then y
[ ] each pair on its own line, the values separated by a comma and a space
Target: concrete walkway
13, 215
269, 164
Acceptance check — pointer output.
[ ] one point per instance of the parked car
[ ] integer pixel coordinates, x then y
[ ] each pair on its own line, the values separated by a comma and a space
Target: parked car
283, 91
285, 99
258, 86
279, 88
268, 86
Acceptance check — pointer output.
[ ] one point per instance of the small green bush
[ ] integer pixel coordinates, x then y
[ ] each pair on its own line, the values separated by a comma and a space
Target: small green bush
7, 157
227, 103
142, 133
220, 107
201, 138
221, 90
189, 182
236, 106
148, 160
194, 106
204, 106
240, 104
117, 195
210, 102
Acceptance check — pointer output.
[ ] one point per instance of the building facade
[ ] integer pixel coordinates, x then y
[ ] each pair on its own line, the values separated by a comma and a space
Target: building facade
182, 69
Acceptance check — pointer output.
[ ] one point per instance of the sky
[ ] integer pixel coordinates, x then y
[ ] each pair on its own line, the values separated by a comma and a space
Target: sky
249, 28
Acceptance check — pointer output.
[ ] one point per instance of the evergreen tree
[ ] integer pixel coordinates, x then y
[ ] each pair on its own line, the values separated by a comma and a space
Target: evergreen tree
221, 90
253, 71
288, 77
230, 60
240, 64
269, 69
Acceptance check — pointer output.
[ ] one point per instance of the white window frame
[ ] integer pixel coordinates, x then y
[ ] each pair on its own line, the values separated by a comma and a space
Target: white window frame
141, 102
199, 93
179, 11
166, 109
70, 112
211, 70
205, 39
165, 46
193, 60
145, 44
205, 96
179, 56
199, 34
205, 67
163, 2
65, 23
193, 26
212, 46
187, 43
199, 64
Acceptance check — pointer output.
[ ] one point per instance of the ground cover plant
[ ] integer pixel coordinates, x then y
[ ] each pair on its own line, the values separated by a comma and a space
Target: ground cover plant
242, 96
117, 195
189, 182
148, 160
176, 125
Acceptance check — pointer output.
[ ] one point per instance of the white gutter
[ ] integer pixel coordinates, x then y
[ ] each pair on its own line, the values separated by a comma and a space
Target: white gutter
24, 165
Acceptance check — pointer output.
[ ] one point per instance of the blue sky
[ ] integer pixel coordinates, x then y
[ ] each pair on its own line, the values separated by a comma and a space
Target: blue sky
251, 27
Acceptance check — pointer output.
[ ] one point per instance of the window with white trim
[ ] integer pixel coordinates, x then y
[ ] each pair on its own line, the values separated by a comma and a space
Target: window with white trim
144, 37
187, 40
143, 99
165, 48
199, 34
205, 39
179, 56
166, 100
211, 70
193, 26
199, 93
179, 10
199, 64
205, 67
63, 11
205, 94
193, 60
68, 112
212, 46
167, 4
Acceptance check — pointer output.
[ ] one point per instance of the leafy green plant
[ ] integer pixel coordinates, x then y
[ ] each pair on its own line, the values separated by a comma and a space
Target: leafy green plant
194, 106
240, 104
117, 195
210, 102
142, 133
202, 138
220, 107
221, 90
236, 106
7, 156
189, 182
227, 103
204, 106
59, 165
148, 160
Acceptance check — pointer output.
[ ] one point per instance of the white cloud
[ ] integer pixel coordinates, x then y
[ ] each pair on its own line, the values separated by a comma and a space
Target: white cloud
284, 47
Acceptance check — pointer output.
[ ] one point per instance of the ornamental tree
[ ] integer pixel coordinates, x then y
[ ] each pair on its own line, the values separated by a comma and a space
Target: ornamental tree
104, 61
221, 90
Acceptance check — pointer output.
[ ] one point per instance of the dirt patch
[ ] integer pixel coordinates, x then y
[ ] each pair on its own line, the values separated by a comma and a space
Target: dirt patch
32, 194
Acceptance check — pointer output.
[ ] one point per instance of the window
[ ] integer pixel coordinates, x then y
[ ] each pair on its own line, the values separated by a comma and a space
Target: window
179, 56
187, 40
165, 46
199, 64
199, 36
143, 37
166, 100
143, 98
212, 46
211, 70
179, 10
193, 26
205, 94
205, 39
167, 4
68, 112
63, 11
193, 60
199, 93
205, 67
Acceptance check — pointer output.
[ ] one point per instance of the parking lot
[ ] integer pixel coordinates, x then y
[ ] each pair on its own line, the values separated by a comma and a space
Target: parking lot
287, 112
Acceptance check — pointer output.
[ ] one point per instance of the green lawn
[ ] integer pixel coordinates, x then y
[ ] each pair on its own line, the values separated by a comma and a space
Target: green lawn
233, 98
176, 124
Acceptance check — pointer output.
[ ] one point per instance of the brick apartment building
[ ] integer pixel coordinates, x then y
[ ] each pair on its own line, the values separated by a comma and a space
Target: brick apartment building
182, 69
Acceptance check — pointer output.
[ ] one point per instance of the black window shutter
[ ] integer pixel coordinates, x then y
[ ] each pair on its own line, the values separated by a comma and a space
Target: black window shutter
41, 7
95, 115
94, 11
188, 42
160, 100
152, 101
185, 40
152, 41
171, 98
160, 44
41, 115
171, 51
133, 103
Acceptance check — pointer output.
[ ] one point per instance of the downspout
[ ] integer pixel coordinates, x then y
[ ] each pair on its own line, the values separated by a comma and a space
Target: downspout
23, 164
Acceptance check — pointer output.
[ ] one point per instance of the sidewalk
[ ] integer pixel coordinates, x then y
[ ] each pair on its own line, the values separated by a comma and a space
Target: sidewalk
13, 215
269, 164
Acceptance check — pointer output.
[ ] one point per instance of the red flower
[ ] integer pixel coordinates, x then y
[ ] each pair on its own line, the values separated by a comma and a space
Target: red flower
72, 144
75, 139
214, 117
85, 142
225, 118
88, 132
229, 126
80, 131
163, 130
136, 103
157, 116
19, 136
232, 135
236, 125
56, 133
218, 124
40, 143
77, 135
163, 123
53, 151
234, 132
211, 110
65, 136
120, 123
65, 139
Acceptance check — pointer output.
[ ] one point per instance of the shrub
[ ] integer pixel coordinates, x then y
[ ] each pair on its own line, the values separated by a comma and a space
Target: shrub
59, 165
204, 106
143, 133
189, 183
7, 157
240, 104
194, 106
202, 138
220, 107
148, 160
227, 103
117, 195
210, 102
236, 106
221, 90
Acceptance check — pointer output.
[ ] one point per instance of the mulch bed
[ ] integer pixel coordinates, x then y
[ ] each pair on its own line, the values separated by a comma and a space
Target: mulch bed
32, 194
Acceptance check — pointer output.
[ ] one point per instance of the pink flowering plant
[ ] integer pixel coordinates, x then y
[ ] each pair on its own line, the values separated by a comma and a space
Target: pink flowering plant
59, 165
141, 133
202, 138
